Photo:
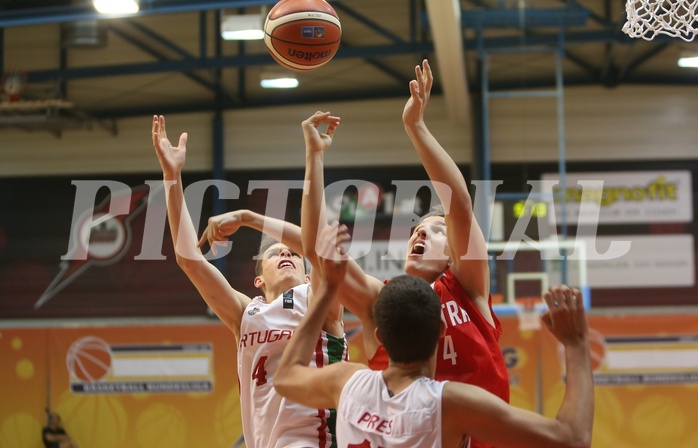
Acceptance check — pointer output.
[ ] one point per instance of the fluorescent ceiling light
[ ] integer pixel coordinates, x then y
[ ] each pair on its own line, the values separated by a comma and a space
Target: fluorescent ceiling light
116, 6
242, 27
688, 61
275, 80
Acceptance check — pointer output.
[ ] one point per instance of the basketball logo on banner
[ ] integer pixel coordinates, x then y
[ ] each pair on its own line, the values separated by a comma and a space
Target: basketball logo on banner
89, 359
97, 367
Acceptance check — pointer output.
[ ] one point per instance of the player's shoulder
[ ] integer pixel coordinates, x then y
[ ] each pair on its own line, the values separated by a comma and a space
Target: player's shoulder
448, 283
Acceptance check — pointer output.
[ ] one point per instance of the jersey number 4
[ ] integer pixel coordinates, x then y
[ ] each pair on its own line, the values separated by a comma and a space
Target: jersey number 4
259, 373
449, 351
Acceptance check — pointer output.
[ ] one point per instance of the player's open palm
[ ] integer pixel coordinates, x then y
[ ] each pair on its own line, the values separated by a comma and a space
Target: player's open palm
171, 158
420, 92
566, 318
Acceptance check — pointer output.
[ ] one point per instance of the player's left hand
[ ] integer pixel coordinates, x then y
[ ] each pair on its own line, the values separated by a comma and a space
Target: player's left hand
315, 140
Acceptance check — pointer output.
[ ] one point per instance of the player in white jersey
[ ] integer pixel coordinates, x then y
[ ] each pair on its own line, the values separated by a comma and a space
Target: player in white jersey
265, 331
410, 418
262, 326
391, 408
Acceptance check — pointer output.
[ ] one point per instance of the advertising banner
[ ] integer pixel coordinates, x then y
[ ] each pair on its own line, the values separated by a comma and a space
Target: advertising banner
175, 386
627, 197
646, 380
136, 386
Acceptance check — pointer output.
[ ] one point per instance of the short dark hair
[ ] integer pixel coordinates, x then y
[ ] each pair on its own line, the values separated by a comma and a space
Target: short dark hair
437, 210
408, 317
265, 244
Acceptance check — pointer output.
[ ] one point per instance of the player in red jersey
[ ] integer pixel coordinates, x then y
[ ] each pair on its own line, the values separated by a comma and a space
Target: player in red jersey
403, 406
448, 251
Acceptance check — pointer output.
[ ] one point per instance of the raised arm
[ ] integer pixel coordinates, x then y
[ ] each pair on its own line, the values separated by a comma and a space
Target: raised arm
358, 291
466, 241
226, 302
313, 387
220, 227
470, 410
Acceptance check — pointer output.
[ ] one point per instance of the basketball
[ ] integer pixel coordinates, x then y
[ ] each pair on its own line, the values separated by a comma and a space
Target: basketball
302, 35
89, 359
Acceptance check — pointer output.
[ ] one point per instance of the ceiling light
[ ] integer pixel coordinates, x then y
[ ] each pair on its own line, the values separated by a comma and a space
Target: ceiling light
278, 80
688, 60
242, 27
116, 6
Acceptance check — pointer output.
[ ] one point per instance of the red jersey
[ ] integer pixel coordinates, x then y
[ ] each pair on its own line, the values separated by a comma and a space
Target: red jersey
469, 352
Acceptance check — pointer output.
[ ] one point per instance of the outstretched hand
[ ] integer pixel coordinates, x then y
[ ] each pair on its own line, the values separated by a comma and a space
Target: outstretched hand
566, 318
420, 91
171, 158
316, 141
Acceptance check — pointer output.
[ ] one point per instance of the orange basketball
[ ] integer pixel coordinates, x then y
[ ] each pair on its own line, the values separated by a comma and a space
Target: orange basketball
302, 35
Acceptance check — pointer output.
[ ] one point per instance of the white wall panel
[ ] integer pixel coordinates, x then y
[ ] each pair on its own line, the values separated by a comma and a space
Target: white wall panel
371, 133
626, 123
97, 151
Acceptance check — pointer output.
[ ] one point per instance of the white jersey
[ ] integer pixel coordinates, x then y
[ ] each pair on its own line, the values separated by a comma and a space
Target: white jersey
269, 420
368, 417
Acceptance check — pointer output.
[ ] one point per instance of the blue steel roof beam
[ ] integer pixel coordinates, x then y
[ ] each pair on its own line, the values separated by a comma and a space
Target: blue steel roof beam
149, 67
2, 50
2, 41
480, 19
213, 87
71, 13
218, 52
162, 40
414, 20
572, 57
533, 17
577, 37
368, 22
607, 67
605, 21
203, 32
609, 72
216, 62
536, 18
479, 4
375, 62
380, 30
580, 37
630, 66
396, 75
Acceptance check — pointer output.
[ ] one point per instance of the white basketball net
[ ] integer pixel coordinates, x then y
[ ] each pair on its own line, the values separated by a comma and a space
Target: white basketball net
648, 18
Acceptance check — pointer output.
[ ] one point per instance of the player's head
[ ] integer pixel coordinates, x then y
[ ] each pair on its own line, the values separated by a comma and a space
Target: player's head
407, 313
427, 249
278, 268
437, 210
54, 420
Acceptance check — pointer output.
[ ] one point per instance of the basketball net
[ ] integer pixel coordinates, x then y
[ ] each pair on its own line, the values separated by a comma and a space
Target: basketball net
648, 18
528, 313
